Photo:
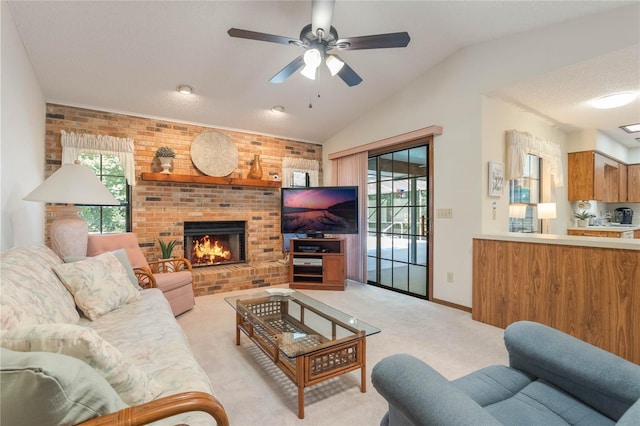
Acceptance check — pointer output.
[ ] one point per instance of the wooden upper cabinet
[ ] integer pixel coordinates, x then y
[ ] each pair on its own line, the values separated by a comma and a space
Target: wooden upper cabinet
622, 186
593, 176
633, 183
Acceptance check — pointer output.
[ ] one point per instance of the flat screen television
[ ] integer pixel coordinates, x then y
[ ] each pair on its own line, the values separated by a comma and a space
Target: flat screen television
320, 210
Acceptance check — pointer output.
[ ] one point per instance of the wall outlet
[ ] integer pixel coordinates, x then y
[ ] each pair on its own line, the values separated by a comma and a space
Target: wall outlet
449, 277
444, 213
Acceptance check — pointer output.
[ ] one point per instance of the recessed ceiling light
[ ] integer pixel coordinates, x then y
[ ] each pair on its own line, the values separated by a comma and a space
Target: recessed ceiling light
614, 100
184, 89
631, 128
277, 108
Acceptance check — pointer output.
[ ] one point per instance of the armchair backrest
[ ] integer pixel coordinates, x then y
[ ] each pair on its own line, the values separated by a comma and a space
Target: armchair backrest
102, 243
603, 380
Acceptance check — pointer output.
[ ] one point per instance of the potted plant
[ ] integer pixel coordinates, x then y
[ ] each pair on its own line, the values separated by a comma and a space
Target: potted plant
583, 218
167, 248
165, 154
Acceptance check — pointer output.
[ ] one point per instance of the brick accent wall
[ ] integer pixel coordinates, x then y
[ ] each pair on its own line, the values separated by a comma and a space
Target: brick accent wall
159, 209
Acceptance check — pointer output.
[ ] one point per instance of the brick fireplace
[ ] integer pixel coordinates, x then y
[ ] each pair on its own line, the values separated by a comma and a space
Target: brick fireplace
160, 209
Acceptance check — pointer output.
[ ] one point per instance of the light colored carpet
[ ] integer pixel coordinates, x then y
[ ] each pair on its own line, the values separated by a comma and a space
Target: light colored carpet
255, 392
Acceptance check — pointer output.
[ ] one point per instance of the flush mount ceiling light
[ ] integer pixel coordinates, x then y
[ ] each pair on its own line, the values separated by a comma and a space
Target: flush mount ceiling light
631, 128
277, 108
184, 89
614, 100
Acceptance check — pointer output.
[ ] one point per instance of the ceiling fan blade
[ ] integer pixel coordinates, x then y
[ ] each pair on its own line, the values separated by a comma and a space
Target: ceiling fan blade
252, 35
321, 14
378, 41
348, 75
287, 71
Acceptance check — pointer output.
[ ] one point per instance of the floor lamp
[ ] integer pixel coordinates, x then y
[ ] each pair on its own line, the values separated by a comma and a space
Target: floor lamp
71, 184
546, 211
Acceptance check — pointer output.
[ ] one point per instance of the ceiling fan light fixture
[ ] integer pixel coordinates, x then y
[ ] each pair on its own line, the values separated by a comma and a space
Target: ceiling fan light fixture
334, 64
184, 89
312, 58
277, 108
309, 72
614, 100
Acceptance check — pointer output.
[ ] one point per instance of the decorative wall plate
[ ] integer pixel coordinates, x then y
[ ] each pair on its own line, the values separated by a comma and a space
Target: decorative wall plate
214, 154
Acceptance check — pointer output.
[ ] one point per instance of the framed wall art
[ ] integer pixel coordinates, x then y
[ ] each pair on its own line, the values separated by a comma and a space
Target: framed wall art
496, 178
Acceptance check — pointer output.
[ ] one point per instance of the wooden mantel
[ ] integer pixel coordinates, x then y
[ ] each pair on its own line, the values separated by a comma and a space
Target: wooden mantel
210, 180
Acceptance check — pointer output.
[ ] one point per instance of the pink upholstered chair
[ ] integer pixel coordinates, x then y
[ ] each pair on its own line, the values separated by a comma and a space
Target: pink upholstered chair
173, 276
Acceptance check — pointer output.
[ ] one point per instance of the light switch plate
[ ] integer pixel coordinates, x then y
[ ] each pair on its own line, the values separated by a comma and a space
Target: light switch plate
444, 213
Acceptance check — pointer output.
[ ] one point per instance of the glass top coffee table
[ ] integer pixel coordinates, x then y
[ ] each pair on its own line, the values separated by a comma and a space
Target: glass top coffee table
308, 340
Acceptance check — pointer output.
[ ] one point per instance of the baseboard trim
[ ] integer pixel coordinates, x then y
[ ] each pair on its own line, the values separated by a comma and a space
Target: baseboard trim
451, 305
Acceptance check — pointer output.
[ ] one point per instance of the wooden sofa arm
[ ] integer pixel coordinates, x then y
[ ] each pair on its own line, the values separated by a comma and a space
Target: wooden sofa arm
145, 278
174, 264
162, 408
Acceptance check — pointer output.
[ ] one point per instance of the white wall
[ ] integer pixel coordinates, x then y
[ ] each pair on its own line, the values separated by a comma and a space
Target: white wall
450, 95
498, 117
21, 141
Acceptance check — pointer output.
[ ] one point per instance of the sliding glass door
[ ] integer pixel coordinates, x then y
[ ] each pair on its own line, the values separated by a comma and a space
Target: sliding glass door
398, 221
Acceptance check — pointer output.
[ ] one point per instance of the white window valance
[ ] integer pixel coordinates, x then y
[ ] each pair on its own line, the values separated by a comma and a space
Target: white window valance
290, 165
519, 144
75, 144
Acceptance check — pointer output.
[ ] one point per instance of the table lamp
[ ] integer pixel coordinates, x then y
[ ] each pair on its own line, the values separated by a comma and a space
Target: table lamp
546, 211
71, 184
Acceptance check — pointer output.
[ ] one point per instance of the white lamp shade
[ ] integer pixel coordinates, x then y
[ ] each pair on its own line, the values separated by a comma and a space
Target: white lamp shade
334, 64
309, 72
73, 184
547, 211
312, 58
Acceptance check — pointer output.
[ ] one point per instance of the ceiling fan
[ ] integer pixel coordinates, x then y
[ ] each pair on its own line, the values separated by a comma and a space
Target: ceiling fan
318, 39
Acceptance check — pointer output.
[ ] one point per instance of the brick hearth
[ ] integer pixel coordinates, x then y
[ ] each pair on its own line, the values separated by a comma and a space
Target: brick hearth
240, 276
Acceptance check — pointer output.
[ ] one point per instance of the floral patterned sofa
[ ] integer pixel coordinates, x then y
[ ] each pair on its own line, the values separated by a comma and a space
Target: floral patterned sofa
79, 342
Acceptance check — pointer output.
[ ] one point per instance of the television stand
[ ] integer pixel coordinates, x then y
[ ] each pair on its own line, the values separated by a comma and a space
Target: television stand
317, 264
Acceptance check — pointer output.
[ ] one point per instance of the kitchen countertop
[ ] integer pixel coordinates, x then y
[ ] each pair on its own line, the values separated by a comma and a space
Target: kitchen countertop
568, 240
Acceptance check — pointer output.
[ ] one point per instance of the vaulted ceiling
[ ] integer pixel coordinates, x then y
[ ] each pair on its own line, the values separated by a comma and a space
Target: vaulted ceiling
129, 57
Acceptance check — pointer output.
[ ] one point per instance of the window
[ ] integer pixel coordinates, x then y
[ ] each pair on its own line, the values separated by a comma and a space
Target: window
108, 218
524, 196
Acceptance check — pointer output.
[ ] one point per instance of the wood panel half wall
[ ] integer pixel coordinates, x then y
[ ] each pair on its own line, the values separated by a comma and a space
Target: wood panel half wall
592, 293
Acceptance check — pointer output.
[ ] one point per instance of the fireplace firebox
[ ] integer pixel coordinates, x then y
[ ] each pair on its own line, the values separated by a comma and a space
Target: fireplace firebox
211, 243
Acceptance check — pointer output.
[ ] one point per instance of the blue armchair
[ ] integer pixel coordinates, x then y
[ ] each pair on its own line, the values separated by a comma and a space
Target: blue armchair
552, 379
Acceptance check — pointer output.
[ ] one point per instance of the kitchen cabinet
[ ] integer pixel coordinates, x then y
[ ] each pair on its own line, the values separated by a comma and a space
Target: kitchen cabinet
633, 183
622, 183
593, 176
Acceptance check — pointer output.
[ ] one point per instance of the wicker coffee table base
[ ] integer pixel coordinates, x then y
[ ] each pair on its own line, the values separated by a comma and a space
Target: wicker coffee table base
329, 361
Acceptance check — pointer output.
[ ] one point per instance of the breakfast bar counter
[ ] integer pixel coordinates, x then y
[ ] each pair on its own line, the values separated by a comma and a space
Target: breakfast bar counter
588, 287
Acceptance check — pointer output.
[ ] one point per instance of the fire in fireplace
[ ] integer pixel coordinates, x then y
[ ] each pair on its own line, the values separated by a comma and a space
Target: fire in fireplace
214, 242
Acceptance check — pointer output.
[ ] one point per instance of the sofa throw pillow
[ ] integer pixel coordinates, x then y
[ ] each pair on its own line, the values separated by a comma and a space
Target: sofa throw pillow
132, 384
45, 388
98, 284
121, 255
31, 291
